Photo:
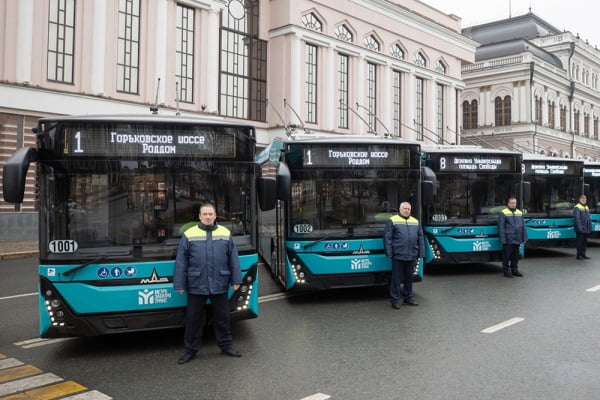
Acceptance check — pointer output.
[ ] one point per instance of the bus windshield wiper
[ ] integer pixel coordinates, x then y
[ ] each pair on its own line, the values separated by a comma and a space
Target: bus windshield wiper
77, 268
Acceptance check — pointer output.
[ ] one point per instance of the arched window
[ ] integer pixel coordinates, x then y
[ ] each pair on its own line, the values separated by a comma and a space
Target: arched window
371, 43
502, 114
312, 22
563, 118
538, 109
420, 60
396, 52
341, 32
440, 67
551, 106
470, 114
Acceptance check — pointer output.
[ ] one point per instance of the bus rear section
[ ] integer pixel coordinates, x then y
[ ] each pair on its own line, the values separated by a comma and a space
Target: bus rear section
335, 195
472, 186
116, 194
555, 185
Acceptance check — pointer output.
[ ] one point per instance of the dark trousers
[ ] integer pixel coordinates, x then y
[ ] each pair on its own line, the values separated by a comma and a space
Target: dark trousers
194, 321
510, 257
402, 271
581, 243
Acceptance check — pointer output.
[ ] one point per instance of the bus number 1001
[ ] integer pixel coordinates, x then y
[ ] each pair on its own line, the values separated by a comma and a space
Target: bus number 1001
63, 246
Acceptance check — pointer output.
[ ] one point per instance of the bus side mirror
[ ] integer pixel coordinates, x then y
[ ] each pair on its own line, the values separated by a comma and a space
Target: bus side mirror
15, 173
526, 191
426, 192
284, 179
266, 187
428, 185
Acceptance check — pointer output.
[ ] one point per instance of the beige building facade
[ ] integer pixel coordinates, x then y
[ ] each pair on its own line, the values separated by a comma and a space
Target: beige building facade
339, 66
533, 88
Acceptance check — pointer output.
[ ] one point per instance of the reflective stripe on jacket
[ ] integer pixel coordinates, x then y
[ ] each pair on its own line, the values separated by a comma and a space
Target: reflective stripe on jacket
583, 219
511, 226
403, 238
207, 261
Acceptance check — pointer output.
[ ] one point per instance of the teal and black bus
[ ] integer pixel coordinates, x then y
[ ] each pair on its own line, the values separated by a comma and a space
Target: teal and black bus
472, 185
591, 179
115, 195
334, 194
555, 185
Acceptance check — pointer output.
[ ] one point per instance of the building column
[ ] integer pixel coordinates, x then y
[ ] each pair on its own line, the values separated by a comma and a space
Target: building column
297, 60
482, 107
430, 111
160, 48
386, 84
98, 47
360, 127
409, 97
211, 94
330, 97
24, 41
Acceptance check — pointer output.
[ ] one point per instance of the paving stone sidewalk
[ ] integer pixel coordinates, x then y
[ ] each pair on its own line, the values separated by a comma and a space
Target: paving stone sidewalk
19, 248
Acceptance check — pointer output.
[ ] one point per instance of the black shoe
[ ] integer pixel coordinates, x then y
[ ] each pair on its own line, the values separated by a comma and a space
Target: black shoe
520, 275
409, 303
187, 356
587, 258
396, 306
508, 275
579, 258
231, 352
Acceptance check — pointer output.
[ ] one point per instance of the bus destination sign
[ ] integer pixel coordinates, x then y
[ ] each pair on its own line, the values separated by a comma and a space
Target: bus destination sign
475, 163
149, 141
591, 172
361, 156
550, 168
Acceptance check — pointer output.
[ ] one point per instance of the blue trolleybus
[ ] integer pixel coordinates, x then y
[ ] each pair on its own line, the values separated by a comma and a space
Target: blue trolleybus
472, 185
591, 178
334, 195
555, 185
115, 195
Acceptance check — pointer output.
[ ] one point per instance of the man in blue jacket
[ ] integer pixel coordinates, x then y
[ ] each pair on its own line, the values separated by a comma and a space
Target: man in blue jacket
512, 232
207, 263
583, 227
403, 243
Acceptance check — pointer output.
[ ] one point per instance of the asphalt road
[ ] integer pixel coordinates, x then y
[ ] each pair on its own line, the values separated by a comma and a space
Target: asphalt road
475, 335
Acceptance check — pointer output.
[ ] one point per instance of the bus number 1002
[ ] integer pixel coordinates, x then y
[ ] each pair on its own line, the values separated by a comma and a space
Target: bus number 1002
63, 246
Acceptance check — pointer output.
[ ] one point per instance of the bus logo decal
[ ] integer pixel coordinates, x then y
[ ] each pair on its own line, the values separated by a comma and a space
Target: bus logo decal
360, 264
158, 296
146, 297
481, 246
360, 251
553, 235
154, 278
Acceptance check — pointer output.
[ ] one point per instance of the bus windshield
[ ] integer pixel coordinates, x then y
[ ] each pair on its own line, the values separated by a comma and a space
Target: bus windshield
552, 196
470, 198
138, 208
339, 203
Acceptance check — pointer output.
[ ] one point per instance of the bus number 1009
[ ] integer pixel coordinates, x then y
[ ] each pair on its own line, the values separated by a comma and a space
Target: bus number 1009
63, 246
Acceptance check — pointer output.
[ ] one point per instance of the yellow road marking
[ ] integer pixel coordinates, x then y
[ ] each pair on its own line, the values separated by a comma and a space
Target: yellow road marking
48, 392
18, 372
